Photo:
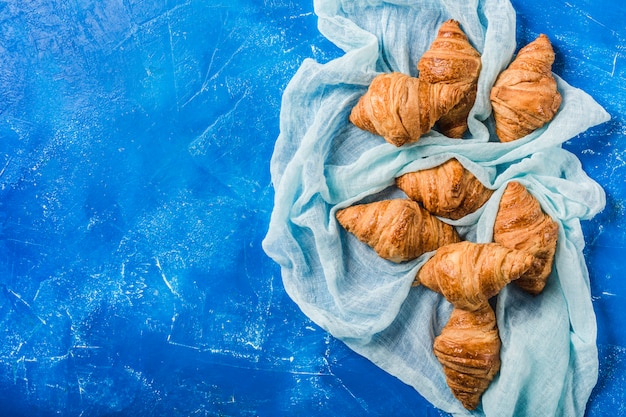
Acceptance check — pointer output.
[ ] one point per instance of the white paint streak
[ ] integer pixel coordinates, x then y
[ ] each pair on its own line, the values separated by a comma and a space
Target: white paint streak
301, 15
164, 278
4, 168
21, 300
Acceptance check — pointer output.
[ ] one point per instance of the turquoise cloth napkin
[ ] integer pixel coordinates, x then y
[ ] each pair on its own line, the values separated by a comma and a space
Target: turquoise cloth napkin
322, 163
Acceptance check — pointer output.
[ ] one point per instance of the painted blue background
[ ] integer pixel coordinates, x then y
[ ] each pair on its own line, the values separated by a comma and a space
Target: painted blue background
135, 138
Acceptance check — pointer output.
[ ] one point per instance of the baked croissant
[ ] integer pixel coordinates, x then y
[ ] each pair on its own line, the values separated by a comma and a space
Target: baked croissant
521, 224
468, 348
468, 274
525, 96
398, 230
451, 59
402, 108
448, 190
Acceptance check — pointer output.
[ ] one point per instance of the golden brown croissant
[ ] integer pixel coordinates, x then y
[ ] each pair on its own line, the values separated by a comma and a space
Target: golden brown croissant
448, 190
525, 96
521, 224
468, 274
469, 350
398, 230
451, 59
402, 108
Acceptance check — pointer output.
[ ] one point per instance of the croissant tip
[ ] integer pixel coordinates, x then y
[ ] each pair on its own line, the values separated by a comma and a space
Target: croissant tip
469, 403
341, 215
532, 287
514, 186
542, 40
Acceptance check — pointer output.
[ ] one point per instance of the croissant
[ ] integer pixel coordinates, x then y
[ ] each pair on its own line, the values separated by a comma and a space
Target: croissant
521, 224
525, 96
398, 230
468, 274
468, 348
402, 108
448, 190
451, 59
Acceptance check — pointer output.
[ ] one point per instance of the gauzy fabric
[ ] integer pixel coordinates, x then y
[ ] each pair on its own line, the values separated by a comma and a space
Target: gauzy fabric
322, 163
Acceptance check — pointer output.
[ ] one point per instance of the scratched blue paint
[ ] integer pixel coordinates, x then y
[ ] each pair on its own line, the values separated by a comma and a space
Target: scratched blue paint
135, 139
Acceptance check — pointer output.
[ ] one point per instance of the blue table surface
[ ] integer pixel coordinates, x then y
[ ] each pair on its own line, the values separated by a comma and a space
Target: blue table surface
135, 139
